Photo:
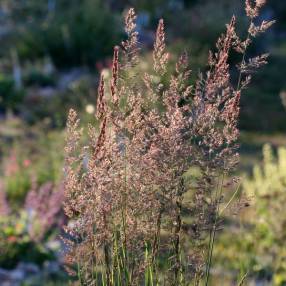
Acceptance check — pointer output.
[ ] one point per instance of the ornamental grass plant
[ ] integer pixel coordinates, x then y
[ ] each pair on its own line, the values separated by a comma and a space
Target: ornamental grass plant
145, 193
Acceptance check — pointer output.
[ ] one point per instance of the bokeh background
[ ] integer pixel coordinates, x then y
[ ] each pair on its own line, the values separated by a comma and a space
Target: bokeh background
51, 55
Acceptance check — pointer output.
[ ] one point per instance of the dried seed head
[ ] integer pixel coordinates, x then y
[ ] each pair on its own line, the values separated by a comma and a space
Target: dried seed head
160, 57
101, 108
130, 21
130, 46
114, 78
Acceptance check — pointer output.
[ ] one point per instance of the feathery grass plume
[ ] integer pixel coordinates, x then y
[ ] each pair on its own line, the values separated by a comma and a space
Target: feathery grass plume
100, 109
214, 110
138, 215
72, 165
160, 57
130, 46
241, 46
114, 78
225, 111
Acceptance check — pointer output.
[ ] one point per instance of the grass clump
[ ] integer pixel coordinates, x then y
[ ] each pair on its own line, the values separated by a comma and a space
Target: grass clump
128, 191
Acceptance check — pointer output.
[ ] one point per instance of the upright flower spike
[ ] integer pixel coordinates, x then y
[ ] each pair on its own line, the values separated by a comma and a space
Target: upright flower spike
114, 78
218, 78
101, 108
99, 141
72, 165
160, 56
130, 46
130, 21
73, 135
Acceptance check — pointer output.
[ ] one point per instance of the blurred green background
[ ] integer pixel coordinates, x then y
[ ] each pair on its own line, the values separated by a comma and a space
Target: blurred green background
51, 55
51, 48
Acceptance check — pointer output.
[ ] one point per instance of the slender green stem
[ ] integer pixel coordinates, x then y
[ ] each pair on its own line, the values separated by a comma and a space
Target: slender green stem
230, 201
107, 265
155, 245
242, 280
213, 231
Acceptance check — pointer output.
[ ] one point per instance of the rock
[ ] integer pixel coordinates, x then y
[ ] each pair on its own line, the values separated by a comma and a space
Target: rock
67, 78
35, 93
28, 268
17, 275
10, 278
29, 273
4, 274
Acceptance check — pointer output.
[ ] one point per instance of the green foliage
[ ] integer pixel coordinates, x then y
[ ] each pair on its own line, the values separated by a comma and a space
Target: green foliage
38, 78
29, 159
270, 178
49, 165
72, 35
9, 96
268, 186
17, 186
23, 232
16, 244
76, 34
52, 110
259, 249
